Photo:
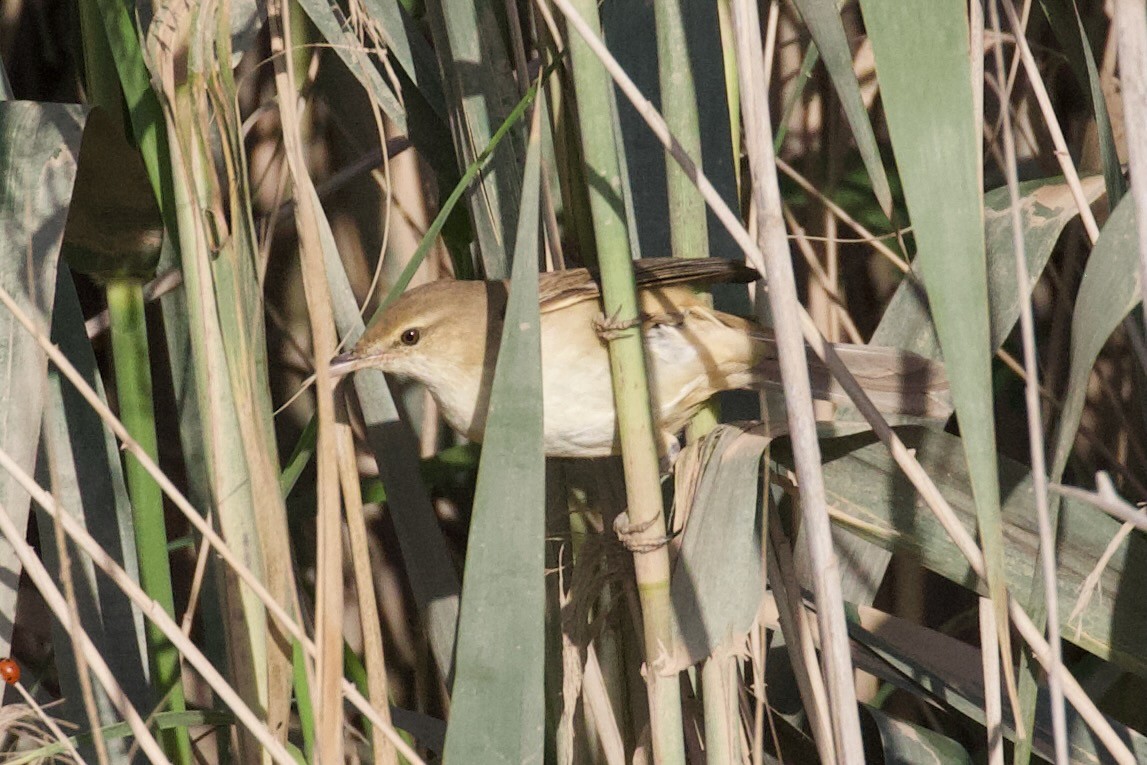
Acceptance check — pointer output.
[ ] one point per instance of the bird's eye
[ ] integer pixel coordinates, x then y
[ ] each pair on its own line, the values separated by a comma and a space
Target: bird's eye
410, 336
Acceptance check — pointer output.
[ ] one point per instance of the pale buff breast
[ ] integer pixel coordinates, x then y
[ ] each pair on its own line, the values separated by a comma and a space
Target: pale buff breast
577, 372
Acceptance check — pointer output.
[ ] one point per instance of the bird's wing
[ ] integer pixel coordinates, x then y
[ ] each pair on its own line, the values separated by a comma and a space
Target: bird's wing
557, 289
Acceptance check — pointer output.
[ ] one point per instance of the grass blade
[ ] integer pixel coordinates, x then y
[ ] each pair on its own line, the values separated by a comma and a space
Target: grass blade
1067, 26
337, 30
39, 145
87, 477
925, 84
1109, 290
872, 499
1047, 207
501, 637
480, 93
718, 581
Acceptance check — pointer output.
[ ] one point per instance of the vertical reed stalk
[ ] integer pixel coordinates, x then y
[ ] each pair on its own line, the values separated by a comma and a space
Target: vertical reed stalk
630, 386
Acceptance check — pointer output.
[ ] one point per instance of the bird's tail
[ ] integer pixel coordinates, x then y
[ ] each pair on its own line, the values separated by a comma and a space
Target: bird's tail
898, 382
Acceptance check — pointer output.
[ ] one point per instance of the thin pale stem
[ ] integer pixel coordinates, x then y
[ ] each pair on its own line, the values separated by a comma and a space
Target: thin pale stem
786, 312
1035, 424
639, 438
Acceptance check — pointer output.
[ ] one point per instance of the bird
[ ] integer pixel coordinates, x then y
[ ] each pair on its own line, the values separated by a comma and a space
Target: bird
445, 335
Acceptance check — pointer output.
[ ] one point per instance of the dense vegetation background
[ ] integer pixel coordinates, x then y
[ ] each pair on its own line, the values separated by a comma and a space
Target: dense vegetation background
202, 201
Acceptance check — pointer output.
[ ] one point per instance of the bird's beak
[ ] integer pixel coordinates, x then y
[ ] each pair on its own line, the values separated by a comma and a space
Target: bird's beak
345, 363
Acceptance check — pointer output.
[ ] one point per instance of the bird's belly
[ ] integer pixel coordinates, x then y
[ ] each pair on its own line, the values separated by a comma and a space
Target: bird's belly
577, 399
580, 416
593, 436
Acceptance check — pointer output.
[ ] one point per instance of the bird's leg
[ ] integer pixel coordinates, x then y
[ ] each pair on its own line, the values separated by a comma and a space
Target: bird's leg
671, 450
610, 328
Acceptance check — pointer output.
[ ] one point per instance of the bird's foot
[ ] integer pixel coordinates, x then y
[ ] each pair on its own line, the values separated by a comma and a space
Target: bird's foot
630, 534
611, 327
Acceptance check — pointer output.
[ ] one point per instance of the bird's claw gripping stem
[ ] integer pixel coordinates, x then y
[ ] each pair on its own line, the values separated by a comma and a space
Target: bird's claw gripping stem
628, 534
611, 328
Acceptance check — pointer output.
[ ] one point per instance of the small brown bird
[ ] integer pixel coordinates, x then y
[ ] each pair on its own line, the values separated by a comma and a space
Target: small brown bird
445, 335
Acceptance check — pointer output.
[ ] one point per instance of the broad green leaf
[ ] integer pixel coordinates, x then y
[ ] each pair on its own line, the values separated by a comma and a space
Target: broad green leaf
871, 498
824, 24
907, 744
501, 635
87, 479
926, 88
717, 582
114, 234
1109, 290
1046, 207
39, 148
942, 670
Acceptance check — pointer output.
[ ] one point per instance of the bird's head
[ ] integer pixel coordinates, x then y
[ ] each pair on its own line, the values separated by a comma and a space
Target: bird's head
433, 334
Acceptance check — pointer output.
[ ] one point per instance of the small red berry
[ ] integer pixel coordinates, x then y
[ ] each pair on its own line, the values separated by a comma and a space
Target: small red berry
9, 671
